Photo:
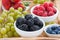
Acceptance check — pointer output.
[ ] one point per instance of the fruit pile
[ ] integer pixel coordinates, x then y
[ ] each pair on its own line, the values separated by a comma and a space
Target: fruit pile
53, 30
29, 23
46, 9
12, 3
7, 19
40, 1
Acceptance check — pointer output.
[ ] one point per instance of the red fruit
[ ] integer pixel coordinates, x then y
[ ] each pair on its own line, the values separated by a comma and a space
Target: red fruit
35, 12
42, 8
54, 10
17, 5
49, 9
45, 14
46, 4
51, 4
15, 1
6, 4
40, 13
50, 13
36, 8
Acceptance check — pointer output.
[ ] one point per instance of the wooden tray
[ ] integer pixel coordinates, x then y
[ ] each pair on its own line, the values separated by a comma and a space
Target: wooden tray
43, 36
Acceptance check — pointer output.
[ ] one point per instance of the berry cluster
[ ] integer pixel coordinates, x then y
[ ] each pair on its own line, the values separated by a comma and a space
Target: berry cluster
53, 30
45, 9
12, 3
29, 23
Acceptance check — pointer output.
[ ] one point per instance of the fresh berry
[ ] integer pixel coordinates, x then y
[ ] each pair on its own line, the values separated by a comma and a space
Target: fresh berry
42, 8
54, 10
34, 28
51, 4
50, 13
28, 16
21, 21
37, 22
17, 5
30, 22
35, 12
40, 13
23, 27
45, 14
49, 9
6, 4
15, 1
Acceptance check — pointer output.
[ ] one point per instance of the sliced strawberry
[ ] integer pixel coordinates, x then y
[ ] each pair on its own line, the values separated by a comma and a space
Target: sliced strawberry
6, 4
17, 5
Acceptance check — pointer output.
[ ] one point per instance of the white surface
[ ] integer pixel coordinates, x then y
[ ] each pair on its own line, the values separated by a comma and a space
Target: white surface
51, 35
46, 19
29, 34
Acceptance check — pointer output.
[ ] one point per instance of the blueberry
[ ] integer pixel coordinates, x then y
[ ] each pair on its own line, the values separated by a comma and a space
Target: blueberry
23, 27
58, 32
54, 27
52, 32
29, 16
34, 28
21, 21
58, 28
49, 30
37, 21
30, 22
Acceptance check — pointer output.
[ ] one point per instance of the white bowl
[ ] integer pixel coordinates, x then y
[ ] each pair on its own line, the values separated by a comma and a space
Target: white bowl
46, 19
29, 34
51, 35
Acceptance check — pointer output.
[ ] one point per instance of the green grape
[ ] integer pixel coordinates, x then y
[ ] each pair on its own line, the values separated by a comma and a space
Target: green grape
20, 9
10, 34
11, 9
12, 28
1, 19
9, 24
35, 1
11, 14
15, 34
3, 31
25, 12
10, 19
51, 22
4, 15
16, 12
0, 35
7, 28
5, 36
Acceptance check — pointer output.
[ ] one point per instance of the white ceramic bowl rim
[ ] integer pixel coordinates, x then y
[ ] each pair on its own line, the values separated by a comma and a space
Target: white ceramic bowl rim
31, 31
42, 16
45, 29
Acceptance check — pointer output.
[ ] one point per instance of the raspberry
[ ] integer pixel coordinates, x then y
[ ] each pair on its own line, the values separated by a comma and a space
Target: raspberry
54, 10
40, 13
36, 8
49, 9
51, 4
50, 13
42, 8
35, 12
45, 14
46, 5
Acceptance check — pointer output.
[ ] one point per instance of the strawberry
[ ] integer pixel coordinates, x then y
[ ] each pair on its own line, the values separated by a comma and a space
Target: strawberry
6, 4
51, 4
17, 5
15, 1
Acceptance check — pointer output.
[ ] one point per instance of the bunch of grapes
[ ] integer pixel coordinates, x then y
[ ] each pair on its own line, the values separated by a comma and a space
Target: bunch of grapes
7, 19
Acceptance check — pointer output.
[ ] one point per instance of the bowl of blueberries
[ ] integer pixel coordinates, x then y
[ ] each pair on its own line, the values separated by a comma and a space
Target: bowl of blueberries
52, 30
29, 26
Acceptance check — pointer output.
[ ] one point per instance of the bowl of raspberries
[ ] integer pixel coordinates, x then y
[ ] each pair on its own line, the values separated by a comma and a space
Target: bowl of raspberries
45, 11
29, 26
52, 30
